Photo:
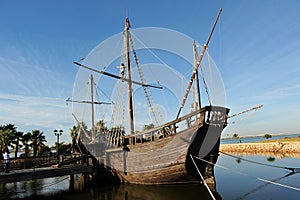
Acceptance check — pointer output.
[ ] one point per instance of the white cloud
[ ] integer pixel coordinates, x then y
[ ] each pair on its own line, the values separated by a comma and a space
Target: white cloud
281, 92
29, 113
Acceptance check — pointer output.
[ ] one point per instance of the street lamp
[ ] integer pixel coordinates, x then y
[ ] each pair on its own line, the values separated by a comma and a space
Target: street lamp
57, 134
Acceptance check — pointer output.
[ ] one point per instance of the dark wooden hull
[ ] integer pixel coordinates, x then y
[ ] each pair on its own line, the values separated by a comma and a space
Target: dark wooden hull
167, 160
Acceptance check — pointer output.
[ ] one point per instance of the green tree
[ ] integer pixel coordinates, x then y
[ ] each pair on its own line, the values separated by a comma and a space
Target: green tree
65, 148
37, 140
149, 126
44, 151
267, 136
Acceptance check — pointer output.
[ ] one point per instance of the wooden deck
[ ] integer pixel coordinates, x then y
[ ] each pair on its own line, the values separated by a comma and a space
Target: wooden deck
40, 173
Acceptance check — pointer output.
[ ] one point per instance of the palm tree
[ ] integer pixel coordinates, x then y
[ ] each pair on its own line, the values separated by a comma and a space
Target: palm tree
26, 142
100, 126
37, 140
7, 133
74, 132
2, 140
16, 141
83, 132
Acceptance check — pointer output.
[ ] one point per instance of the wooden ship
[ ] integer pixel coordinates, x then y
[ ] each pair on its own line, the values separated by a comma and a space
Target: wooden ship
162, 154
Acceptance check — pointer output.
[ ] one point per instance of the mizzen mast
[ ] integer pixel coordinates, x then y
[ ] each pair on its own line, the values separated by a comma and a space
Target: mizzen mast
198, 104
92, 102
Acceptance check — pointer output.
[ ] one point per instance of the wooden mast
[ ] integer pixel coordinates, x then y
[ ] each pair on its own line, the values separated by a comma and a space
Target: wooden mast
197, 65
92, 102
197, 77
93, 112
130, 99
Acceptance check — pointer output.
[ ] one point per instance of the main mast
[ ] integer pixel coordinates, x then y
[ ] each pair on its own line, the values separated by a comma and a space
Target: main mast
130, 104
93, 112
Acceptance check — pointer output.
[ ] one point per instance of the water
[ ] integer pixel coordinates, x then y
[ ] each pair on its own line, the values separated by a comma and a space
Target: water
241, 181
235, 179
256, 139
48, 187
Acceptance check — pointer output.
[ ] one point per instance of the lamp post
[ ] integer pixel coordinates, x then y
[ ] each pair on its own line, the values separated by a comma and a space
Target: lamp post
57, 134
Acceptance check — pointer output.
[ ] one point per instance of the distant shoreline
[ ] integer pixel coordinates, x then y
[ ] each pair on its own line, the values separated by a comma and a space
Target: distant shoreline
255, 136
278, 148
284, 147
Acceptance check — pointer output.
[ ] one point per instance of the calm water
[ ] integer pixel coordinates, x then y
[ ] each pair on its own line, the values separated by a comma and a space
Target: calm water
256, 139
235, 179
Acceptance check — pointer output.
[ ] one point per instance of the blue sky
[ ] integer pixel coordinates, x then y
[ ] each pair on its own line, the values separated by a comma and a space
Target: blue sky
256, 47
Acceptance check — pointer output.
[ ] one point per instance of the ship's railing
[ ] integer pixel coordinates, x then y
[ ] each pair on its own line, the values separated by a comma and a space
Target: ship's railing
213, 115
217, 117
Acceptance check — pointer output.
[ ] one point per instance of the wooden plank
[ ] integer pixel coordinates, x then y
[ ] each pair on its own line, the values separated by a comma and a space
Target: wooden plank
40, 173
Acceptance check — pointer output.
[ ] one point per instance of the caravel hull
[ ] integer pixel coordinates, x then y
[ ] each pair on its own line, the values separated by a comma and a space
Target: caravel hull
167, 160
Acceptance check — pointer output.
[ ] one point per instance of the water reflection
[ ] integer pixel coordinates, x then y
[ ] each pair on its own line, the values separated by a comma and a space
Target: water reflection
239, 159
262, 186
271, 159
246, 178
265, 154
142, 192
228, 183
35, 188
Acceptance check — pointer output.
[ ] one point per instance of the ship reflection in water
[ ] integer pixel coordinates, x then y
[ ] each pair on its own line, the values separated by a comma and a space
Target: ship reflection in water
160, 192
144, 192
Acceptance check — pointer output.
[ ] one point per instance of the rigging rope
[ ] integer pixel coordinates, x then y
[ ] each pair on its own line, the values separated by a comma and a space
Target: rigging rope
101, 113
120, 94
211, 194
254, 108
247, 175
154, 54
204, 82
264, 185
98, 88
80, 124
119, 105
154, 114
293, 169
